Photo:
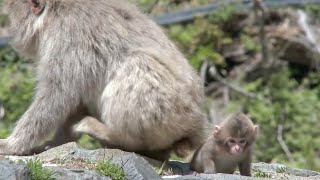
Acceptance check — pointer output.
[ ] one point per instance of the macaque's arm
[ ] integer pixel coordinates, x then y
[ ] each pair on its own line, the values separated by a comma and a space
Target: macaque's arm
245, 167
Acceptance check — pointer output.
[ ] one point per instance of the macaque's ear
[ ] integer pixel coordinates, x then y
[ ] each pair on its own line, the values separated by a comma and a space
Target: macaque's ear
37, 6
216, 130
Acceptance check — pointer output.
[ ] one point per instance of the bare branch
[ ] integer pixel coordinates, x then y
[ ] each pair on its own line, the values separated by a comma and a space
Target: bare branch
152, 6
203, 71
216, 76
282, 143
258, 6
2, 111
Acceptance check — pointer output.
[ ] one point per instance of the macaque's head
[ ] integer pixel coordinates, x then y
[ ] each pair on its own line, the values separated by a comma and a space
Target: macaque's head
27, 18
236, 133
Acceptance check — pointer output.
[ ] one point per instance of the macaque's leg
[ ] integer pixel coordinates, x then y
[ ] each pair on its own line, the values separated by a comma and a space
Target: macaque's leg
94, 128
209, 167
245, 167
63, 135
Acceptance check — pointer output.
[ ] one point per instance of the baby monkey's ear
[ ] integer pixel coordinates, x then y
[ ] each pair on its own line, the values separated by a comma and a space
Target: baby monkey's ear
37, 6
216, 131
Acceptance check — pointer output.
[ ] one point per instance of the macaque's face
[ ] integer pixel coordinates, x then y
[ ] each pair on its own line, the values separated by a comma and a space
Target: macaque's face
236, 145
26, 25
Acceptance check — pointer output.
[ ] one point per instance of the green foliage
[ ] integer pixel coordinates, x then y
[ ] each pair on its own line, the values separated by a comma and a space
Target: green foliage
89, 143
222, 15
4, 131
261, 174
249, 43
107, 168
37, 171
4, 21
200, 40
312, 9
281, 170
16, 88
169, 6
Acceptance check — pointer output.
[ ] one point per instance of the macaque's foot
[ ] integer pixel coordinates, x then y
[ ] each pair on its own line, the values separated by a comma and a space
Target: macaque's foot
40, 149
194, 173
4, 149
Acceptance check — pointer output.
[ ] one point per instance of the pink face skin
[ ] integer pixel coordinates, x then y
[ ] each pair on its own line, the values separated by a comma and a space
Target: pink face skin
236, 145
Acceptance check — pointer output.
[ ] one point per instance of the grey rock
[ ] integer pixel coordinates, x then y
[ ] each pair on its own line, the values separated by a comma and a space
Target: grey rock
259, 170
70, 156
75, 174
225, 177
277, 168
134, 166
11, 171
179, 167
212, 176
59, 152
71, 162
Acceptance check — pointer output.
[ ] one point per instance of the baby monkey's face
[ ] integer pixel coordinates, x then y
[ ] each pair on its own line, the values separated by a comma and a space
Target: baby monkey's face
236, 145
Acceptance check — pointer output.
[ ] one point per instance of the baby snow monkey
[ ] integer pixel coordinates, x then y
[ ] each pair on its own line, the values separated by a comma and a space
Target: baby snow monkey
229, 146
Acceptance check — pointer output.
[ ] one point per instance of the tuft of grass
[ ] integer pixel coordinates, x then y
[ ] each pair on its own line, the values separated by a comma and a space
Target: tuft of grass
280, 170
107, 168
37, 171
161, 169
259, 173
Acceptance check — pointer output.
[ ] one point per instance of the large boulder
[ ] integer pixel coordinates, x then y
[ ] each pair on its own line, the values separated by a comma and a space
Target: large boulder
71, 162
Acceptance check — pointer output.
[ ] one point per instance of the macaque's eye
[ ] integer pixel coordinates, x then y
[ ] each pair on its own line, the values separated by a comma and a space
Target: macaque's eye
35, 2
242, 141
232, 141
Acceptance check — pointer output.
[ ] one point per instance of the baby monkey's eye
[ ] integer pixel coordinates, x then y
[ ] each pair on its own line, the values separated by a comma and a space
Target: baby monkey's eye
232, 141
36, 2
242, 141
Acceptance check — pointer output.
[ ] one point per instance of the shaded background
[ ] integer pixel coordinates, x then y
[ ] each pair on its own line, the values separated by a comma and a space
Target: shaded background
262, 60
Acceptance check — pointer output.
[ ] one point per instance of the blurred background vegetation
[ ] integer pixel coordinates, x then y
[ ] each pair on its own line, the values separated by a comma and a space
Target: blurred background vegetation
262, 61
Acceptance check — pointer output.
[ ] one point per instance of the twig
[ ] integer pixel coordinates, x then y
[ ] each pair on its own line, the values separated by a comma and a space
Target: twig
226, 97
211, 87
282, 143
203, 71
216, 76
2, 111
152, 6
259, 6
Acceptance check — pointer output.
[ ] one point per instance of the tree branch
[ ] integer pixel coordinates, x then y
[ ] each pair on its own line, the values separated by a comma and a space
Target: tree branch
282, 143
216, 76
2, 111
259, 6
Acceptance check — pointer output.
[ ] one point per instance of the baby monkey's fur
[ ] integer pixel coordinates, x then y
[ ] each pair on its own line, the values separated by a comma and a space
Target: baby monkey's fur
229, 147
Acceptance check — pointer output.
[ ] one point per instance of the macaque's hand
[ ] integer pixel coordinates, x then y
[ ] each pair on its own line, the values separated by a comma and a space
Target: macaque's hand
195, 173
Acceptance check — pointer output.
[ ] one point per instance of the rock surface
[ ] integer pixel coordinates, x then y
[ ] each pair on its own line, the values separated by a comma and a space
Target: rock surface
71, 162
11, 171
